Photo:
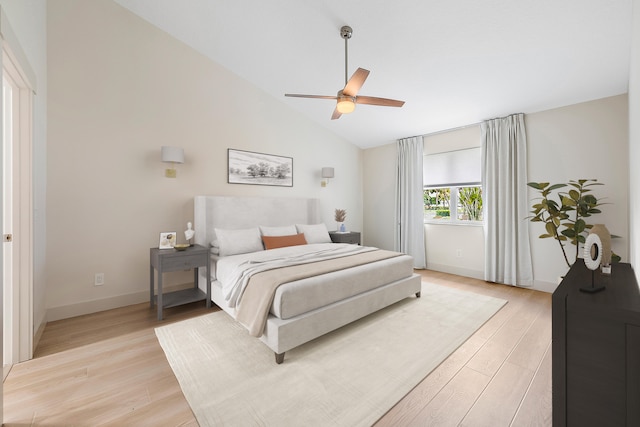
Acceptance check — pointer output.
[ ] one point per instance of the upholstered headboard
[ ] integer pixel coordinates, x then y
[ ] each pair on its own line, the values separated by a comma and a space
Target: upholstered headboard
230, 212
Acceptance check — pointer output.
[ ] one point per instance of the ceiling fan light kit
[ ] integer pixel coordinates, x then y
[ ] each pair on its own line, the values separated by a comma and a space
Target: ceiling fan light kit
347, 98
346, 104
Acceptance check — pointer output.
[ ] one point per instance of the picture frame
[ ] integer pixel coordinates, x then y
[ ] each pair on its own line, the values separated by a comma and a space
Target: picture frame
167, 240
253, 168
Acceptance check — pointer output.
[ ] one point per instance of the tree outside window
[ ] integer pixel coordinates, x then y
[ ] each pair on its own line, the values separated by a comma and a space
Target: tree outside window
453, 204
470, 203
437, 203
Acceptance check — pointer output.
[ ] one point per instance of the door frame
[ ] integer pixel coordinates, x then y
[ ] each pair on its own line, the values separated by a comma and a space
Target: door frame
15, 62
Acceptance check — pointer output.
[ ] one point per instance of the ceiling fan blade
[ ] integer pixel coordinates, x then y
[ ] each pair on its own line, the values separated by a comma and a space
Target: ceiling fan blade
336, 114
385, 102
297, 95
355, 82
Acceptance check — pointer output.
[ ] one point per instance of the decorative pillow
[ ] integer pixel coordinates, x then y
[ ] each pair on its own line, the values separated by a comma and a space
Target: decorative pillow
272, 242
232, 242
316, 233
287, 230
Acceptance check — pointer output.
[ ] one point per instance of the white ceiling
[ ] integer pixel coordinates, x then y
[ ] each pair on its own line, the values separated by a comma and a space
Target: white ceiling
454, 62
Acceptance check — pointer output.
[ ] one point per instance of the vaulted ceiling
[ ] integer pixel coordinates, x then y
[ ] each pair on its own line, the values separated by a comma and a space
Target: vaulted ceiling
454, 62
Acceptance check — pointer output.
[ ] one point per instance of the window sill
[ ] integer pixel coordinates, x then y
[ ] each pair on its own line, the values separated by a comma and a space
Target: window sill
455, 223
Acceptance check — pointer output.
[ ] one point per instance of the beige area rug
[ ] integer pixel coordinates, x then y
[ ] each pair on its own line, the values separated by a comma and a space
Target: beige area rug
350, 377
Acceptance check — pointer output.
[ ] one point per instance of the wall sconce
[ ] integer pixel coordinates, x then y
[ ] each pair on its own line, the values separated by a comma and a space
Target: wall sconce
326, 174
172, 155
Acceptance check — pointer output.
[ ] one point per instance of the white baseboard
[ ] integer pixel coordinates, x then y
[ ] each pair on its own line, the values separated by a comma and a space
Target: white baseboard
38, 333
538, 285
94, 306
452, 269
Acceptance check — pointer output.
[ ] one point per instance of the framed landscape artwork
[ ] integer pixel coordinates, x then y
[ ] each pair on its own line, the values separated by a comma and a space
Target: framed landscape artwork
248, 167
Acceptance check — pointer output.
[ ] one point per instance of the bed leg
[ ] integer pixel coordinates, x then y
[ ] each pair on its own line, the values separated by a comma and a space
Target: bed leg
279, 358
418, 294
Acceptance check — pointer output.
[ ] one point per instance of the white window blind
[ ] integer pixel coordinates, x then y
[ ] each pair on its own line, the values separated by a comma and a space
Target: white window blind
452, 168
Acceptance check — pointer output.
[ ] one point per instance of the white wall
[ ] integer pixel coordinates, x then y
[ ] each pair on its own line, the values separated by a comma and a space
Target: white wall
458, 139
634, 143
587, 140
119, 89
455, 249
379, 169
28, 21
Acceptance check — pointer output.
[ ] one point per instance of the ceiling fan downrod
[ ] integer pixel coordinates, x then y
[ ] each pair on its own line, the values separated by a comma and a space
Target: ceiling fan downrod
346, 32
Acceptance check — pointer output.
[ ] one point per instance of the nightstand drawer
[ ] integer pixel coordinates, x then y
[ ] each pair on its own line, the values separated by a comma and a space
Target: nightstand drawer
352, 237
177, 263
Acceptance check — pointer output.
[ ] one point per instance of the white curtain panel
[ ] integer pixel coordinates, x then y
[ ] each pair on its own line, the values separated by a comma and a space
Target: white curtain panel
409, 200
504, 188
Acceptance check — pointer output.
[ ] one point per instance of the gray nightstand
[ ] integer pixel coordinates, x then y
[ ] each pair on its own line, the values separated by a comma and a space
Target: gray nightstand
352, 237
167, 260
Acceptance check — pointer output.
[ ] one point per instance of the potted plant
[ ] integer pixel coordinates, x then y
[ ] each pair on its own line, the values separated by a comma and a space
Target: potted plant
565, 218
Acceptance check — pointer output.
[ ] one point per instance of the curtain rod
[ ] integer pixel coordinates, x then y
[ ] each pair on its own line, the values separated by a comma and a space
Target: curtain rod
469, 125
424, 135
460, 127
452, 129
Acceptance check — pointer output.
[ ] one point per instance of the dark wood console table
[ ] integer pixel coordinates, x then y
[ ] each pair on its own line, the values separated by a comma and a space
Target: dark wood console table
596, 349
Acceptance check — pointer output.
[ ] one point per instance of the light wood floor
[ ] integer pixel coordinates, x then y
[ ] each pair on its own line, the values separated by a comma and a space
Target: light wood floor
108, 369
501, 376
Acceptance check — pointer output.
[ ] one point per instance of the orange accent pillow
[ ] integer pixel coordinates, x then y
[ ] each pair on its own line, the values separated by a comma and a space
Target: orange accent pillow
273, 242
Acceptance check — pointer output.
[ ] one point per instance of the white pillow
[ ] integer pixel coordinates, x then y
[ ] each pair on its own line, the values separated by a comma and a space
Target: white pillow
232, 242
316, 233
287, 230
215, 247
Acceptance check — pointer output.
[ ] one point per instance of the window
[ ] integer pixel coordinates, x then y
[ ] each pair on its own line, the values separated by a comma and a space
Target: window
469, 206
437, 203
452, 191
453, 204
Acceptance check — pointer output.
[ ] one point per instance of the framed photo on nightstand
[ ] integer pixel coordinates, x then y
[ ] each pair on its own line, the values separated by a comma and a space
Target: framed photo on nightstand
167, 240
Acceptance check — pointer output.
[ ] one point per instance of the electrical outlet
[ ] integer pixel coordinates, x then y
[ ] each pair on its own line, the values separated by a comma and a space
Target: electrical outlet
458, 253
99, 279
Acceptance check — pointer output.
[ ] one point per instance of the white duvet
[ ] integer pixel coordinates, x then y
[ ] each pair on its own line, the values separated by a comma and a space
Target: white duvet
234, 272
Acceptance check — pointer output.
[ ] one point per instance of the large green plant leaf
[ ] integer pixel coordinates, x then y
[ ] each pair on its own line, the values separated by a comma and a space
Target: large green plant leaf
556, 186
579, 226
538, 185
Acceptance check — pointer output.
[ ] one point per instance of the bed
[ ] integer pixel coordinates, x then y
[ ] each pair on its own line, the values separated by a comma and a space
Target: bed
316, 297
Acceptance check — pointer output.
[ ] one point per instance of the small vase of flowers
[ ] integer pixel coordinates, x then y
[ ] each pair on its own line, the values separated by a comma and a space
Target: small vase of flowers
340, 216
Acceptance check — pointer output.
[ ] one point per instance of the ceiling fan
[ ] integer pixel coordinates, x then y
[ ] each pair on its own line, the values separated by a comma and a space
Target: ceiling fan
347, 97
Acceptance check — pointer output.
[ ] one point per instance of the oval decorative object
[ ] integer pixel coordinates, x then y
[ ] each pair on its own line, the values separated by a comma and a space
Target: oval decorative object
592, 252
605, 237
